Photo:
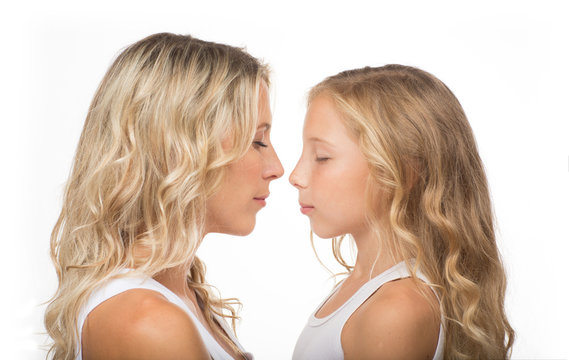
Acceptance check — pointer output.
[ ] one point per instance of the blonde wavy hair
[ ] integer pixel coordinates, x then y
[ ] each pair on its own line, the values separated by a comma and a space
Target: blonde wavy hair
428, 197
149, 156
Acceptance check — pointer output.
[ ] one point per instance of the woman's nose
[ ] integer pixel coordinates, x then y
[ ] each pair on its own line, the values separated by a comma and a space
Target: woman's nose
274, 169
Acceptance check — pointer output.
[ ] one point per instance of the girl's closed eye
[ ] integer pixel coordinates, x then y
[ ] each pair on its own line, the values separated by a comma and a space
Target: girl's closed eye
322, 158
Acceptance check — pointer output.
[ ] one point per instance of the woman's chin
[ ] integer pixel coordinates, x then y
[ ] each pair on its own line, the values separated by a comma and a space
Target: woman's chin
236, 229
244, 229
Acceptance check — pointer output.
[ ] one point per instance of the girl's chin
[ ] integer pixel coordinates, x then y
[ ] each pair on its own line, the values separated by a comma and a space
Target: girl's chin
324, 233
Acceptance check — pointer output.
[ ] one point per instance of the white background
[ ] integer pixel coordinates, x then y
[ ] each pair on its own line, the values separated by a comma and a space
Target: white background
505, 61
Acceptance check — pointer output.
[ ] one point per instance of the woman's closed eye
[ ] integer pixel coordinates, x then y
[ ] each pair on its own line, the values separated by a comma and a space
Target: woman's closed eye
322, 158
259, 143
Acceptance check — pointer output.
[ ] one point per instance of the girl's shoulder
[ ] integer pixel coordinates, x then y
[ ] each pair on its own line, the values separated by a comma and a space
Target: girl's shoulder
401, 320
140, 324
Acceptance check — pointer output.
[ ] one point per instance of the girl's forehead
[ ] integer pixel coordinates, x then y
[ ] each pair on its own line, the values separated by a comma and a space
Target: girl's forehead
323, 123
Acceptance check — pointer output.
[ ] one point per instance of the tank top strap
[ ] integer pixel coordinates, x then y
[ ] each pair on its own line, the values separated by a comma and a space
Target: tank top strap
398, 271
119, 284
129, 279
345, 310
321, 338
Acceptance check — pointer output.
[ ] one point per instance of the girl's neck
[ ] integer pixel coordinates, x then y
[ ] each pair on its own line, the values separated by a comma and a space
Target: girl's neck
371, 259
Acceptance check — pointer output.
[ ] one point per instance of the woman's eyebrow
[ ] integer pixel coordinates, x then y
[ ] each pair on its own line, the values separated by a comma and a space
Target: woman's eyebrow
265, 125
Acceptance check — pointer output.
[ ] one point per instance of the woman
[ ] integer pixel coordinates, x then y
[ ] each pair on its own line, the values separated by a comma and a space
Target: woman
390, 159
175, 146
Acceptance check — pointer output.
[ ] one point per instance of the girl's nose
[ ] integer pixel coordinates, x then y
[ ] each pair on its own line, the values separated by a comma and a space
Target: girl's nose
295, 177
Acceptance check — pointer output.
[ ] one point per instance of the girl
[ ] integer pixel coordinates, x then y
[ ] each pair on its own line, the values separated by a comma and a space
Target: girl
175, 146
390, 160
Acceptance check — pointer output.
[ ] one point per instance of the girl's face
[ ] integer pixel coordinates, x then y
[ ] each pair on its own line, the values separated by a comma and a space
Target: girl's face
233, 208
331, 173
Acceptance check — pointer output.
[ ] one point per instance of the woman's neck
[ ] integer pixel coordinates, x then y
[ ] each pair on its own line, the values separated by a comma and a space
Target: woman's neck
175, 279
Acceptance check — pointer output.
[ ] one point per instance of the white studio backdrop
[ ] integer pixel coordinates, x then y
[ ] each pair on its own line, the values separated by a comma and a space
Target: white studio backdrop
505, 61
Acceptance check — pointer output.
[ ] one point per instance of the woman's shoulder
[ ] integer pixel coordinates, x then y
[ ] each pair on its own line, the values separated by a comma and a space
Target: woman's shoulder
396, 322
141, 324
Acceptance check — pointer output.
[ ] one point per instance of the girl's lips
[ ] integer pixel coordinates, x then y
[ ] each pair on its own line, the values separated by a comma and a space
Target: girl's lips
306, 209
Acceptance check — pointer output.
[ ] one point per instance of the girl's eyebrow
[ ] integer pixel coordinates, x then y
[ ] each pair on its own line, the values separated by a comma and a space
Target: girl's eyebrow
317, 139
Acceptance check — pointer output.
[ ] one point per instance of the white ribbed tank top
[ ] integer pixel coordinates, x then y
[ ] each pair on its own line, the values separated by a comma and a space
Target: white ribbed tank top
138, 281
321, 337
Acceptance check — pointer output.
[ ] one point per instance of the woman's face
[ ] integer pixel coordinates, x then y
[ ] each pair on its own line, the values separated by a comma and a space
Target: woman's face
331, 173
232, 209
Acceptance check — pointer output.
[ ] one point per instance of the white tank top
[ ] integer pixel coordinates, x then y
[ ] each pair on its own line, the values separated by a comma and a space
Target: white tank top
321, 337
135, 281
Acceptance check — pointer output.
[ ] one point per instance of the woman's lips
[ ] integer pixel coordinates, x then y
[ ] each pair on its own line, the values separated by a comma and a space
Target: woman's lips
261, 200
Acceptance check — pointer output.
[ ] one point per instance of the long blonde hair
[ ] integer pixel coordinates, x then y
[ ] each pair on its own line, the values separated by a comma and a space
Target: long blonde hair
428, 197
149, 156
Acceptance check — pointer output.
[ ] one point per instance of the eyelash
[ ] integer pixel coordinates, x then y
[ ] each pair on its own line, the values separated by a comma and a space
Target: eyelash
322, 159
260, 143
